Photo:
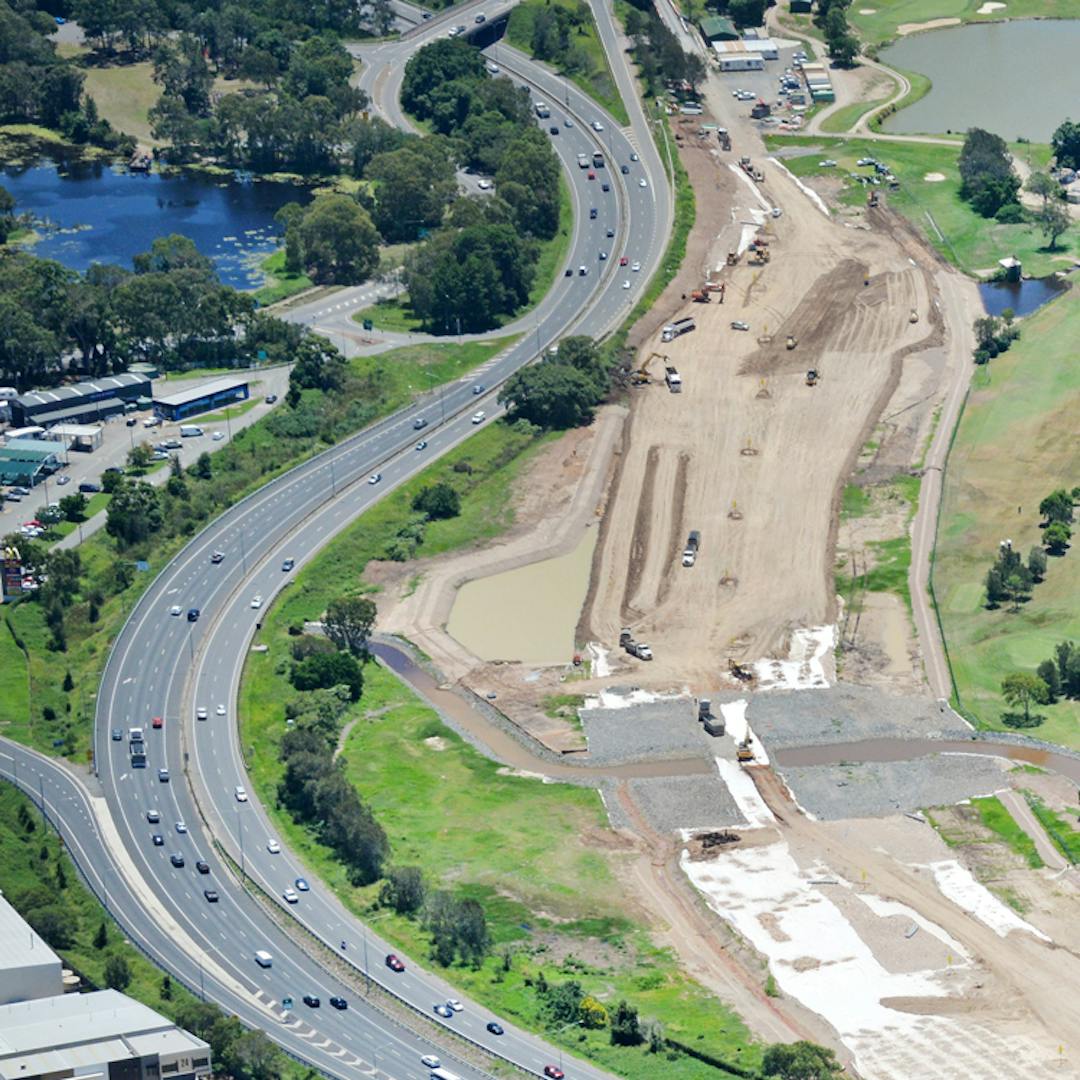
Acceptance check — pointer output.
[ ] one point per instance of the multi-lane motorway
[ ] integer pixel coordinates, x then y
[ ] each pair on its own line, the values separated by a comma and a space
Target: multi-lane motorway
165, 665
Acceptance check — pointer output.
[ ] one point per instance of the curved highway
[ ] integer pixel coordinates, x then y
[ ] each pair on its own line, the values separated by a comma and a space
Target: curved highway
165, 665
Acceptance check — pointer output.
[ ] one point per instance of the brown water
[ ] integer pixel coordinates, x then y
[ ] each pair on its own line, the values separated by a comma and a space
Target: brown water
527, 614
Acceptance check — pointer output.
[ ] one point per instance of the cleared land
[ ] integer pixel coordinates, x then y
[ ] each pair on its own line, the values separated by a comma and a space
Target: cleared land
1017, 441
125, 94
934, 208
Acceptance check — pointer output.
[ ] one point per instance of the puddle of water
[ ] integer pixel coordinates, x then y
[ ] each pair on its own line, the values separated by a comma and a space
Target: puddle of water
528, 614
1023, 297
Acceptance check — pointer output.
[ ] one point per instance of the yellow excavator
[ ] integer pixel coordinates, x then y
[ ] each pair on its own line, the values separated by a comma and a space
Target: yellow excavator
641, 376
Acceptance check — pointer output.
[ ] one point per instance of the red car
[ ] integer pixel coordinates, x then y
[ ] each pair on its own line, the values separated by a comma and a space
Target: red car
157, 722
554, 1072
394, 963
623, 261
592, 175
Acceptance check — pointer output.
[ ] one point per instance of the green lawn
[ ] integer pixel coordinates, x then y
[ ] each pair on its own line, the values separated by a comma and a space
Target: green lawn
877, 22
597, 81
1000, 822
935, 208
280, 283
94, 505
536, 855
848, 115
124, 95
1015, 443
394, 315
232, 412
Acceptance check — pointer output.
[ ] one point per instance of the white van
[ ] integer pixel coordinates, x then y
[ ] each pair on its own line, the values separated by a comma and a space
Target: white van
443, 1074
264, 959
189, 431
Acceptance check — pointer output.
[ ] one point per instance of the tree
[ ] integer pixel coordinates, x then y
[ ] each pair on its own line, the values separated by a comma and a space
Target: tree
550, 395
1018, 587
1066, 144
318, 366
101, 938
800, 1061
134, 513
203, 468
593, 1015
339, 242
324, 670
1057, 506
403, 890
433, 67
1053, 220
413, 186
73, 507
62, 570
1021, 689
117, 972
988, 181
139, 457
111, 482
1037, 563
348, 622
1063, 651
438, 501
55, 923
1042, 184
1048, 672
1056, 537
625, 1027
843, 45
562, 1003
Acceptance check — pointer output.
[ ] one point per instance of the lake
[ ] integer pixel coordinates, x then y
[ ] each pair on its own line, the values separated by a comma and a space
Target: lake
1016, 79
100, 213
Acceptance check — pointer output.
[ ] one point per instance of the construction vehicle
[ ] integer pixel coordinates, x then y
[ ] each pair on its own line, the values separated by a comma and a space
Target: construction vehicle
738, 671
690, 552
812, 377
641, 377
743, 754
714, 725
724, 137
732, 258
677, 329
700, 296
914, 316
634, 648
872, 200
791, 342
673, 379
759, 254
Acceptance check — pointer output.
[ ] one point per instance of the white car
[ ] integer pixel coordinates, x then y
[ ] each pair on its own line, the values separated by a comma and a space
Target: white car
642, 182
828, 163
218, 436
273, 847
484, 185
633, 157
455, 1004
175, 609
220, 710
240, 793
256, 601
290, 896
201, 713
181, 827
62, 480
430, 1061
493, 69
626, 284
478, 417
636, 266
152, 421
776, 211
597, 126
374, 478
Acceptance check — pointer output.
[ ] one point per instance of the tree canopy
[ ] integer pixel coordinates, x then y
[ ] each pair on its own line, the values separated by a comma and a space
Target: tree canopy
988, 181
1065, 143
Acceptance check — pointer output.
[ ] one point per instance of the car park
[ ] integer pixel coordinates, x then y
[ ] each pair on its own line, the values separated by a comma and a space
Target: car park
157, 839
395, 963
177, 860
211, 895
117, 734
478, 417
338, 1003
443, 1011
311, 1001
153, 816
495, 1028
240, 793
202, 866
290, 896
273, 847
217, 557
374, 478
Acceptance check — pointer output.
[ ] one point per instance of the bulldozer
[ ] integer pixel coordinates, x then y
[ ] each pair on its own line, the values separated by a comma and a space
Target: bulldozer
791, 342
812, 377
759, 255
739, 671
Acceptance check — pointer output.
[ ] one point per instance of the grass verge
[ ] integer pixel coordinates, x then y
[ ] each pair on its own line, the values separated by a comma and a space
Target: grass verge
1012, 447
846, 117
593, 74
1064, 835
934, 207
280, 283
1001, 823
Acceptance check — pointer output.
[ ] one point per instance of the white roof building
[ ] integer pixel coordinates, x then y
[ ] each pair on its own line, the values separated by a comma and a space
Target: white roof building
29, 969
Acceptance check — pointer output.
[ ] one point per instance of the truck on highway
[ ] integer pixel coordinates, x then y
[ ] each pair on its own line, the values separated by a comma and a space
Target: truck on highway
443, 1074
673, 380
677, 329
137, 750
597, 160
693, 542
542, 111
190, 431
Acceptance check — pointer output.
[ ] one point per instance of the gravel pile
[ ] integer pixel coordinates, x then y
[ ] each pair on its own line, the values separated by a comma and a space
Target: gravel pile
786, 718
877, 789
671, 803
652, 730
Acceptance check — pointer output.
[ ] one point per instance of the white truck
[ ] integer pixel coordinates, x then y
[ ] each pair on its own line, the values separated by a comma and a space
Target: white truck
542, 110
693, 542
673, 380
677, 329
190, 431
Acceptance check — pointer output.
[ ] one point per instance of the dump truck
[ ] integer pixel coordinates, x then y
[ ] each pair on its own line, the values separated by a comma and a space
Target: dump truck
634, 648
673, 380
693, 542
677, 329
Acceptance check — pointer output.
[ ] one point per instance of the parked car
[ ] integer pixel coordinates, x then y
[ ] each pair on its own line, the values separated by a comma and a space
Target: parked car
270, 399
738, 324
62, 480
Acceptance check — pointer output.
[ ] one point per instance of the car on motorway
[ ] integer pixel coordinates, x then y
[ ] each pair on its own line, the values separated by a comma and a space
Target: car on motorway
181, 827
591, 175
493, 69
311, 1001
592, 213
553, 1072
605, 186
610, 232
597, 126
422, 444
430, 1061
177, 860
642, 182
201, 713
626, 284
495, 1028
568, 122
157, 723
290, 896
338, 1003
603, 255
217, 557
419, 423
157, 839
117, 734
481, 17
211, 895
738, 324
478, 389
478, 417
256, 600
240, 793
193, 614
633, 157
153, 816
287, 565
394, 962
623, 260
273, 847
443, 1010
636, 266
301, 884
553, 130
625, 170
163, 775
455, 1004
374, 478
220, 710
202, 866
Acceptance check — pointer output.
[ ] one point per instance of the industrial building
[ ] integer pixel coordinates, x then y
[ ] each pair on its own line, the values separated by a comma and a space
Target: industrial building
84, 437
103, 1034
737, 59
28, 461
80, 402
818, 82
717, 28
29, 969
200, 399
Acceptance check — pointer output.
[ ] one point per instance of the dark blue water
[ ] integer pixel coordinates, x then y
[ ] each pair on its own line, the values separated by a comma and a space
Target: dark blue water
1023, 297
97, 213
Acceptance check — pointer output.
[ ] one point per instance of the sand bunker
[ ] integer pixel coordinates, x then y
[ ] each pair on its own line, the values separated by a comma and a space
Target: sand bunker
934, 177
933, 24
989, 8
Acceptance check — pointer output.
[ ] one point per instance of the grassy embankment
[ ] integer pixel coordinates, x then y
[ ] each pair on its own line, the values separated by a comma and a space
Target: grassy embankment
877, 23
935, 208
597, 81
52, 720
396, 314
999, 821
280, 283
1063, 833
539, 857
1014, 444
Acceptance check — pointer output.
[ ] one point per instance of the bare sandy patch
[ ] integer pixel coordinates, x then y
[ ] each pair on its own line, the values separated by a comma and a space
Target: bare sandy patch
932, 24
867, 11
934, 177
435, 742
989, 8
